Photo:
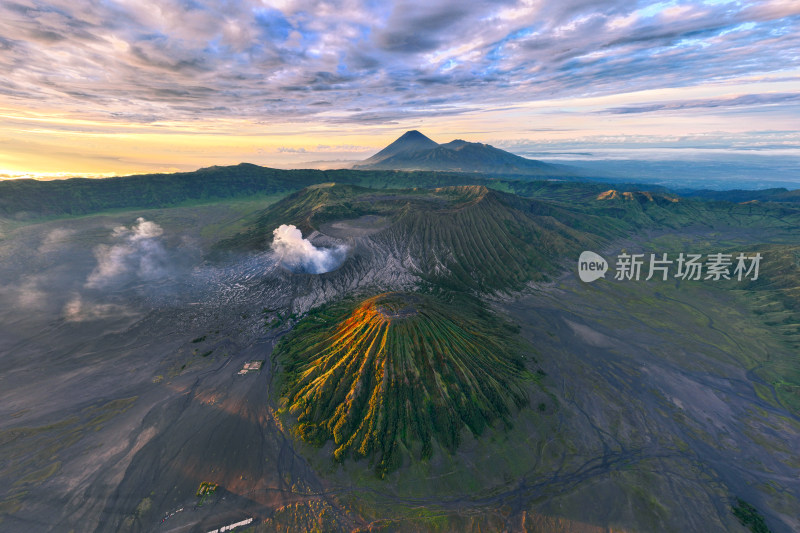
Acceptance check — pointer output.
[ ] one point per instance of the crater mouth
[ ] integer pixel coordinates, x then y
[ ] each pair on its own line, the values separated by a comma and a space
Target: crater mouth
355, 227
393, 314
328, 260
395, 306
301, 256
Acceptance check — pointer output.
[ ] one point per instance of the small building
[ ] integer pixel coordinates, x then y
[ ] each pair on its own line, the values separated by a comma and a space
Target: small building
251, 366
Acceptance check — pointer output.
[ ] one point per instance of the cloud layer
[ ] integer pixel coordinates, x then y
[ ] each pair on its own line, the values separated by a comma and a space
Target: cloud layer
347, 61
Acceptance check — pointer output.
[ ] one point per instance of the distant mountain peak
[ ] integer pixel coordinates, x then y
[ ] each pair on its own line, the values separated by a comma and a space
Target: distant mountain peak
415, 151
410, 142
413, 134
455, 144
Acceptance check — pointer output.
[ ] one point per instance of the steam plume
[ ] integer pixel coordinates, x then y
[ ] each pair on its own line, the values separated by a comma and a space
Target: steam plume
138, 252
299, 255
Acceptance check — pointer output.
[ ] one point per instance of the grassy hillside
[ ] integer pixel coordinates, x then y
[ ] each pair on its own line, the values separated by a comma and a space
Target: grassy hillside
78, 196
28, 199
385, 377
31, 199
775, 298
737, 195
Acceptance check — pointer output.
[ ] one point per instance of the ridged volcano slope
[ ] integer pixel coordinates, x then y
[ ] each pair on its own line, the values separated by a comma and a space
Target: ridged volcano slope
386, 377
459, 237
490, 240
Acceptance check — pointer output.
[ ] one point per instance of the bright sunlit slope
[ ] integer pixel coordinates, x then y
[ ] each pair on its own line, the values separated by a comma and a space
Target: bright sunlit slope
385, 377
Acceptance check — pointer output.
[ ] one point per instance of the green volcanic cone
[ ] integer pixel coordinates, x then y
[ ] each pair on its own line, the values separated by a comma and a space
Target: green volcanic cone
386, 377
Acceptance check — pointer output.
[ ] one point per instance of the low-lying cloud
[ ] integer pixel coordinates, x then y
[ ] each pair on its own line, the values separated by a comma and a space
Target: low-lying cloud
79, 310
300, 255
55, 239
138, 253
27, 293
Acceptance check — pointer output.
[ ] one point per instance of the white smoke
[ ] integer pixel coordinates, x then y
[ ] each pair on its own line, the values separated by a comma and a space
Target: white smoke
78, 310
138, 252
27, 293
55, 239
299, 255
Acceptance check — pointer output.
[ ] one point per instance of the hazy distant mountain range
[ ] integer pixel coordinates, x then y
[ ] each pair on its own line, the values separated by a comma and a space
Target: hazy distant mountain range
415, 151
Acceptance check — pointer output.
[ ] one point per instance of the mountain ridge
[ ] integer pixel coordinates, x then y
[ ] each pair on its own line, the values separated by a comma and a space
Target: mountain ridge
414, 151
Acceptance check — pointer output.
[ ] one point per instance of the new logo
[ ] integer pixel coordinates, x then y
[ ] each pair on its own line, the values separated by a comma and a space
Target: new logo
591, 267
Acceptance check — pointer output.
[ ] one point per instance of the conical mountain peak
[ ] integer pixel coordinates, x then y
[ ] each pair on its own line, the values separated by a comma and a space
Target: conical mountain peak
410, 142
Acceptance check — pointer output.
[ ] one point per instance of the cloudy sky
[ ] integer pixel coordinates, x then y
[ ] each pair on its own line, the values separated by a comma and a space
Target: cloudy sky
125, 86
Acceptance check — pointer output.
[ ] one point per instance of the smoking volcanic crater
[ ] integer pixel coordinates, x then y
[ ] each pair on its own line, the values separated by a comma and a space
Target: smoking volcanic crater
465, 237
300, 256
386, 377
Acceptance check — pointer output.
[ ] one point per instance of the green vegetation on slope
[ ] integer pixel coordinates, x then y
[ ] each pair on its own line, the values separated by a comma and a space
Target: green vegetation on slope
774, 297
385, 377
750, 517
79, 196
737, 195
